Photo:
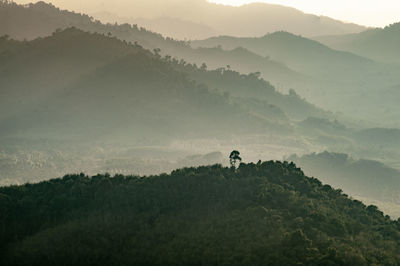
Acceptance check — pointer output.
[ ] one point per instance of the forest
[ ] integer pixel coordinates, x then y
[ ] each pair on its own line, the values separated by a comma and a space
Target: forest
259, 214
116, 119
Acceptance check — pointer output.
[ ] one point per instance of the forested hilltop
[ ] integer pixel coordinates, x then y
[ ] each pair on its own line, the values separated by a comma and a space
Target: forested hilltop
42, 19
191, 18
364, 179
259, 214
323, 76
107, 84
77, 95
380, 44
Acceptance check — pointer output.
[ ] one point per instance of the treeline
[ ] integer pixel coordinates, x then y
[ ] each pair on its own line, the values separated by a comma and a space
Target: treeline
260, 214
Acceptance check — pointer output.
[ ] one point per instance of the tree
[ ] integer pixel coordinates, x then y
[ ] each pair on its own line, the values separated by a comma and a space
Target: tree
234, 157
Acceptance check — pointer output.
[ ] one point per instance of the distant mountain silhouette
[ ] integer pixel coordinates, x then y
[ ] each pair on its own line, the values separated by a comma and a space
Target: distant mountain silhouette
173, 27
368, 179
248, 20
336, 79
91, 84
41, 19
378, 44
299, 53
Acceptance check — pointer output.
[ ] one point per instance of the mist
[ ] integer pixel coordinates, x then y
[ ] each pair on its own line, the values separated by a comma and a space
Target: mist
179, 116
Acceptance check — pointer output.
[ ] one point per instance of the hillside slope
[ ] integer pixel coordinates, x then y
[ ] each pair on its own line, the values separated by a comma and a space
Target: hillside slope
78, 95
88, 84
380, 44
41, 19
248, 20
336, 79
368, 179
269, 213
302, 54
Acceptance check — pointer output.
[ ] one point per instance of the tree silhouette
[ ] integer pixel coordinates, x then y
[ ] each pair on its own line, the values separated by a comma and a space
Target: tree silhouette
234, 157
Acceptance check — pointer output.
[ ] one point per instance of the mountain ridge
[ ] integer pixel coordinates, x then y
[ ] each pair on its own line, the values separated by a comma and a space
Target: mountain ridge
219, 17
379, 44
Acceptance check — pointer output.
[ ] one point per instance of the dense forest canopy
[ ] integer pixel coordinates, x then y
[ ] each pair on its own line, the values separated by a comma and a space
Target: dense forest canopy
125, 105
265, 213
131, 96
366, 179
123, 84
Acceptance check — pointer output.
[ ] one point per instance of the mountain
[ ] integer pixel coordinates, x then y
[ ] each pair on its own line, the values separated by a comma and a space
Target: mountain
41, 19
239, 59
269, 213
85, 93
382, 137
380, 44
248, 20
302, 54
324, 81
245, 61
367, 179
77, 83
50, 17
336, 79
174, 27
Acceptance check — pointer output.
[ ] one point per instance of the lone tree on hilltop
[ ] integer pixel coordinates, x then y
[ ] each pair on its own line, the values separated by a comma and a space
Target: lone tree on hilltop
234, 157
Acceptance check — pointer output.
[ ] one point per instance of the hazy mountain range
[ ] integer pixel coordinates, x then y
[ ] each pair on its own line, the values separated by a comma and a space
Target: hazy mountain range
336, 78
248, 20
77, 94
325, 77
378, 44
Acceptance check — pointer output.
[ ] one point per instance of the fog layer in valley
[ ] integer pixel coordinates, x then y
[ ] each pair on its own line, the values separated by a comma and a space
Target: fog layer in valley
82, 95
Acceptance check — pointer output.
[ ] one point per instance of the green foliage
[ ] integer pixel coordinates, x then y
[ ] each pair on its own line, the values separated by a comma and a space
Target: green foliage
234, 157
378, 43
269, 213
116, 86
365, 178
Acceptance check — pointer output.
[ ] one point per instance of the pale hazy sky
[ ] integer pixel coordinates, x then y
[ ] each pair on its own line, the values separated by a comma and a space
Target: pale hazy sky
366, 12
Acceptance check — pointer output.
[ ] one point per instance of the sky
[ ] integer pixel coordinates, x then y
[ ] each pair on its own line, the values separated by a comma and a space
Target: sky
377, 13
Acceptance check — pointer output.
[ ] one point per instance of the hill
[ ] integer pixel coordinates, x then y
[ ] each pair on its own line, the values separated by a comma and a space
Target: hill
41, 20
247, 20
367, 179
83, 93
260, 214
379, 44
299, 53
173, 27
382, 137
321, 78
75, 81
336, 79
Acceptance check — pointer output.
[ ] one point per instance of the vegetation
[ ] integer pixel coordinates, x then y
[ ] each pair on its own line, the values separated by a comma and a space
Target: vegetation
368, 179
299, 53
336, 78
323, 76
265, 213
234, 158
126, 87
188, 19
379, 43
